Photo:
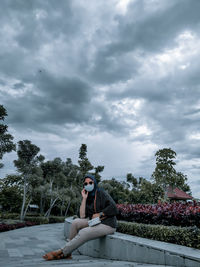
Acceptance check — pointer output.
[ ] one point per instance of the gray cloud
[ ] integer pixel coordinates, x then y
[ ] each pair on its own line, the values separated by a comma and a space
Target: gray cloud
154, 30
52, 100
83, 72
142, 31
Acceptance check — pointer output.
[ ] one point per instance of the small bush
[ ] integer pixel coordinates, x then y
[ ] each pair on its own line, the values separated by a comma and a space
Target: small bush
44, 220
33, 214
56, 219
29, 221
13, 216
33, 218
7, 227
185, 236
177, 214
38, 220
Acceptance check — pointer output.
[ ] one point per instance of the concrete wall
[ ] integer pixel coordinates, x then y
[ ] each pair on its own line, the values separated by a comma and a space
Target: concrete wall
131, 248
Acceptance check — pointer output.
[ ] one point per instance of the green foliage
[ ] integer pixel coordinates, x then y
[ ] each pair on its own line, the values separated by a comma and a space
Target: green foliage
142, 191
84, 163
59, 184
149, 192
7, 216
11, 198
12, 180
11, 193
116, 190
56, 219
44, 220
185, 236
165, 174
38, 220
181, 180
27, 165
6, 139
98, 169
131, 179
27, 157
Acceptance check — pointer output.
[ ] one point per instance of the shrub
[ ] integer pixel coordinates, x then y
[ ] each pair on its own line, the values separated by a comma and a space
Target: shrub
178, 214
56, 219
185, 236
29, 221
33, 218
38, 220
7, 227
33, 214
13, 216
44, 220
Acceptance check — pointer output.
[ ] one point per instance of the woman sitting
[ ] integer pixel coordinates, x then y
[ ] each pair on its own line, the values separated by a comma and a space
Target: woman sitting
95, 203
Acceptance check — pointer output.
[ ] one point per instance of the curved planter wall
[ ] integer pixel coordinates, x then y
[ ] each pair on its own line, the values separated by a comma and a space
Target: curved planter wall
131, 248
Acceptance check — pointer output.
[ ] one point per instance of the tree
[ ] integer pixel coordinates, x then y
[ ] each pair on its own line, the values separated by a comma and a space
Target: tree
27, 165
181, 180
11, 193
84, 164
6, 139
149, 192
97, 176
72, 185
132, 180
165, 174
53, 174
143, 191
117, 190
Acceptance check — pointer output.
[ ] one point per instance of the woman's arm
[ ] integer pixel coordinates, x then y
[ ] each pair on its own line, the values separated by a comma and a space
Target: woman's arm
83, 204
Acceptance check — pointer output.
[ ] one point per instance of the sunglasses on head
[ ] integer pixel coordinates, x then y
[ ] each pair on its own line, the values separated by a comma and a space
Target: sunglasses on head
87, 183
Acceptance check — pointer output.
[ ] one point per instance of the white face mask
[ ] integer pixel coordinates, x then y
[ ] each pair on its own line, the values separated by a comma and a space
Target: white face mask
89, 187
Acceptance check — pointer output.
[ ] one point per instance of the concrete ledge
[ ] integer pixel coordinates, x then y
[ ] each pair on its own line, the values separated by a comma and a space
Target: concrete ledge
131, 248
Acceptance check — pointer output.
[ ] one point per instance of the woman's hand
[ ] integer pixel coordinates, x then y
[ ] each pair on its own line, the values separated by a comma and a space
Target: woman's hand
84, 195
95, 215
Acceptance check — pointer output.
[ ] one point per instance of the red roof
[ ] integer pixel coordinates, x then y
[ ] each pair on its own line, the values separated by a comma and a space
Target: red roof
177, 193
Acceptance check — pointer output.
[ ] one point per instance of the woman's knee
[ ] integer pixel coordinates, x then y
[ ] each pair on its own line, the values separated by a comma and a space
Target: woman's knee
78, 223
84, 233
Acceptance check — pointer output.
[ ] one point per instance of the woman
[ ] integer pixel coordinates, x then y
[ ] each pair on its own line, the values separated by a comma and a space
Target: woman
95, 203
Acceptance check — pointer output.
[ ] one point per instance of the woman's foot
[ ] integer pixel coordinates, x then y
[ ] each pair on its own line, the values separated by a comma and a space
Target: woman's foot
56, 255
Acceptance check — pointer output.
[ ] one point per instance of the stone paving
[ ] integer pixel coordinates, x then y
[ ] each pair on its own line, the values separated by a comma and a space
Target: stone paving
25, 247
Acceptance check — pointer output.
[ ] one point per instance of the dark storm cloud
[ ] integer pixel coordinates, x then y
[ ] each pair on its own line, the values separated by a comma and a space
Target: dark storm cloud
29, 26
154, 31
140, 31
18, 85
52, 100
110, 69
65, 64
118, 56
36, 22
170, 104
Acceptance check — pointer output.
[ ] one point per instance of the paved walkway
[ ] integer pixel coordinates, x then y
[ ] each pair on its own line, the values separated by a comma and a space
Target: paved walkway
25, 247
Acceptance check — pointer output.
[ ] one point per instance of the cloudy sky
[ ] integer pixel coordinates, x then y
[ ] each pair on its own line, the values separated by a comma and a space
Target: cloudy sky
122, 76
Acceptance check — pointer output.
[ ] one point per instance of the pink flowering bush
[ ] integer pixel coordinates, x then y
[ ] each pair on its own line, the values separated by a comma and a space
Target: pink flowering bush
178, 214
6, 227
